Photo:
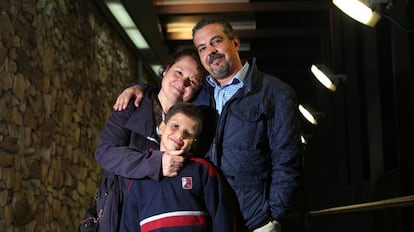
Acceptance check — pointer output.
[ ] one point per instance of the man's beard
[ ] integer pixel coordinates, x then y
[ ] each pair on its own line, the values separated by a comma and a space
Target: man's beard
221, 70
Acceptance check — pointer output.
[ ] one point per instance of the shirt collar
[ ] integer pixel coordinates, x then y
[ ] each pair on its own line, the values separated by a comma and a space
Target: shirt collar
240, 76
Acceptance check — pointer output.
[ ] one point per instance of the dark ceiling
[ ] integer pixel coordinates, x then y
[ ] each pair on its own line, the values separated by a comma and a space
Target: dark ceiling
286, 36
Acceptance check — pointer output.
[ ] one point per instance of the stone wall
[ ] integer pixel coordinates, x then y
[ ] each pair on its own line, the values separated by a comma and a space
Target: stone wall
61, 68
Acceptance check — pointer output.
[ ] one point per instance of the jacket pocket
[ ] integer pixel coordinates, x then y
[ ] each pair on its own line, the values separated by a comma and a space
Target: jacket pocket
244, 128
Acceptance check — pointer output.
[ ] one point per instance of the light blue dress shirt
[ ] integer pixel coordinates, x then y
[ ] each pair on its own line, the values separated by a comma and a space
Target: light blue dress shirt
223, 93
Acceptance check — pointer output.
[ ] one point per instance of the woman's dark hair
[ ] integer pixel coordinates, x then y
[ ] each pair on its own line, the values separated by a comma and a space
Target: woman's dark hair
178, 54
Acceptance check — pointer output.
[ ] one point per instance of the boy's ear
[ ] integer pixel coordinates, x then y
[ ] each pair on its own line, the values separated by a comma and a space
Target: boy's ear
161, 128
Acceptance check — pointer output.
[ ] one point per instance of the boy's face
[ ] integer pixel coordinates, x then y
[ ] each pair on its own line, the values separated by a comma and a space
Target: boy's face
178, 133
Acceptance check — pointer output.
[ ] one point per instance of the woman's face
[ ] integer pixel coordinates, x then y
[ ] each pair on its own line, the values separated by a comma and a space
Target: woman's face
181, 80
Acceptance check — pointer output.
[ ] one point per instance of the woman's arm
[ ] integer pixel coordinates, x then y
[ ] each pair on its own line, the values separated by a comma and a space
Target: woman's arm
124, 152
127, 94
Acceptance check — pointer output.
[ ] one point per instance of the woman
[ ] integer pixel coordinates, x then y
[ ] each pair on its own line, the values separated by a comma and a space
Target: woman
129, 144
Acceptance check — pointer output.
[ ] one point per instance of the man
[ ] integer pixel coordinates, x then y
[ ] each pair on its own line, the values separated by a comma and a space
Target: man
257, 142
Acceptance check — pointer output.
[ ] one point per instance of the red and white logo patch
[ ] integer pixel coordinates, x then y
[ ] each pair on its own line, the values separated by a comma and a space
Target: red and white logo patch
187, 182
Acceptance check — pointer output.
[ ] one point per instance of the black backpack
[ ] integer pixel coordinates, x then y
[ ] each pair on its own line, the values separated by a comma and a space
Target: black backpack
107, 208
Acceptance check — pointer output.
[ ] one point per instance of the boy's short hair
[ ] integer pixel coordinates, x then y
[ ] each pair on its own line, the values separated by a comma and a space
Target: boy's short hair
189, 110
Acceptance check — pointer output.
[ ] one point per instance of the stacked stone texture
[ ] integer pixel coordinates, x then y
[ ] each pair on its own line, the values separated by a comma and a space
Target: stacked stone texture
61, 67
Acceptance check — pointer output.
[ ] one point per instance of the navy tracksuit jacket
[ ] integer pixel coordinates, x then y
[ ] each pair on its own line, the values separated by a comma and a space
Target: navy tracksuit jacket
195, 200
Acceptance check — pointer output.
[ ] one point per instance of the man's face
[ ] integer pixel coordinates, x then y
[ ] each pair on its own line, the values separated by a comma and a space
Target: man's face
178, 133
218, 53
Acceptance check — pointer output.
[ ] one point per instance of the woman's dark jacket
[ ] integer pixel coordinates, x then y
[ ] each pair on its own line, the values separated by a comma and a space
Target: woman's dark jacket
124, 151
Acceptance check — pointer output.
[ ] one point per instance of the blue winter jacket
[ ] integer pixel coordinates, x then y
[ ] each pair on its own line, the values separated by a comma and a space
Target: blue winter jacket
257, 145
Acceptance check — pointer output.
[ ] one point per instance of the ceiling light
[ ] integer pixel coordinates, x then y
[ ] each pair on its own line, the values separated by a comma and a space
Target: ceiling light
326, 77
156, 68
244, 47
127, 24
182, 30
360, 10
243, 25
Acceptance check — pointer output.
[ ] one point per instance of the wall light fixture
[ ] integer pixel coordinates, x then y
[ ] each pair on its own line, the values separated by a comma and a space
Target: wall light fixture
326, 77
310, 115
362, 11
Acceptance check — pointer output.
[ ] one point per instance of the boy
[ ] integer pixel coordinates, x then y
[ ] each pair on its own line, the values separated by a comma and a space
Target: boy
198, 199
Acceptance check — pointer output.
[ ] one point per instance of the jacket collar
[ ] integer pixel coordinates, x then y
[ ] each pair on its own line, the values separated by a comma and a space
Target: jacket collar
141, 120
